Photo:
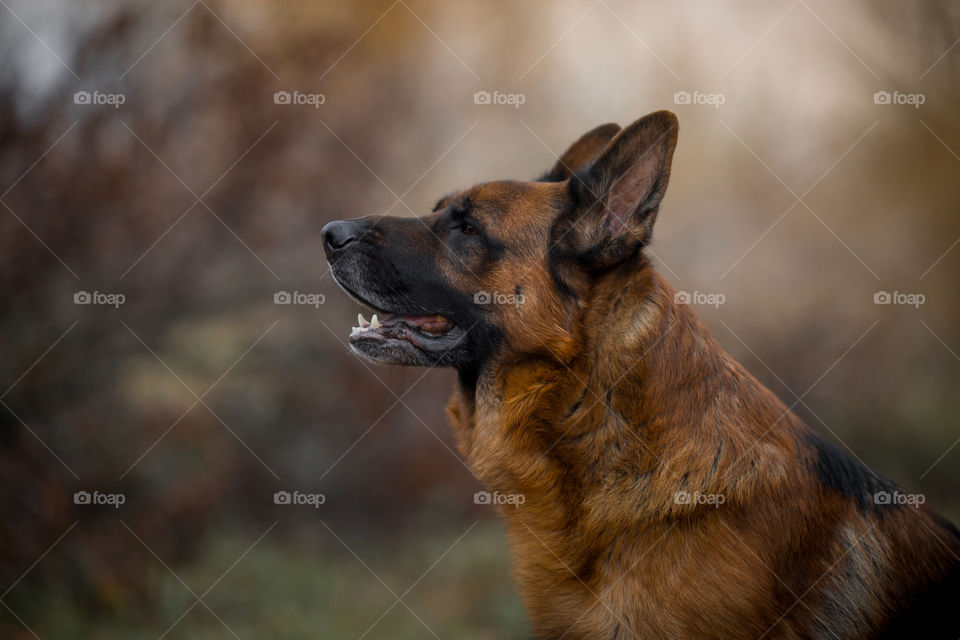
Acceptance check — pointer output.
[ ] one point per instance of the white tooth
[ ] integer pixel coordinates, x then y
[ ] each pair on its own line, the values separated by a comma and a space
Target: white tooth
374, 322
361, 320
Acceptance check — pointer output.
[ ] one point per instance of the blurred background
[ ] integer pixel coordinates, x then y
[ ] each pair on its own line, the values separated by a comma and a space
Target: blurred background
165, 171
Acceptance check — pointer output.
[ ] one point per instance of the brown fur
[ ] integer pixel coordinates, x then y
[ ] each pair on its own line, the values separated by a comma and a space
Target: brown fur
601, 400
600, 544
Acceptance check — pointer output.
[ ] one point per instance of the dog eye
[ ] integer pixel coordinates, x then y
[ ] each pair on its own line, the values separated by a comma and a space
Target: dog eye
469, 229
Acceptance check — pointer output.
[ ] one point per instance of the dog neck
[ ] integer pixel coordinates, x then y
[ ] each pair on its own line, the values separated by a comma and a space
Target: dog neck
650, 400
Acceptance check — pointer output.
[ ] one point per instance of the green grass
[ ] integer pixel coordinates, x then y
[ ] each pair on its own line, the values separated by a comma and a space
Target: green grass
316, 588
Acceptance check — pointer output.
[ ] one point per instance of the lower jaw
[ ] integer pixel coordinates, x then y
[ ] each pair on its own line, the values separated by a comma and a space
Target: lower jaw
397, 352
408, 349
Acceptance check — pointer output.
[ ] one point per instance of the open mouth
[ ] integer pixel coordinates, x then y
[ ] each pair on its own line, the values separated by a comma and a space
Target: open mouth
414, 337
415, 329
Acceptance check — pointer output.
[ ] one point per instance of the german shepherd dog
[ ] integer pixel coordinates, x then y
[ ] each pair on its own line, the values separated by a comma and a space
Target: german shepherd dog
668, 494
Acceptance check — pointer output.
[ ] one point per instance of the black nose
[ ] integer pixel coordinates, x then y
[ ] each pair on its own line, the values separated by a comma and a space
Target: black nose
337, 235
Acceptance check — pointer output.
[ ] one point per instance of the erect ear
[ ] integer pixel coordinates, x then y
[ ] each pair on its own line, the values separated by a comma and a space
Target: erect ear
581, 153
616, 198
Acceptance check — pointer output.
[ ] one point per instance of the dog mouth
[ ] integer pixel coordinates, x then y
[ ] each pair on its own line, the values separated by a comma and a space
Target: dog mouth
417, 336
418, 330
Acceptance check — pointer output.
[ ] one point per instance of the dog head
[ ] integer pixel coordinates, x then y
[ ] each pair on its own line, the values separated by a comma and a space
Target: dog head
504, 269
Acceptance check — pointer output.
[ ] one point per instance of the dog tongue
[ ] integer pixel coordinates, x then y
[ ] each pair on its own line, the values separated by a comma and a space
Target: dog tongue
435, 324
430, 324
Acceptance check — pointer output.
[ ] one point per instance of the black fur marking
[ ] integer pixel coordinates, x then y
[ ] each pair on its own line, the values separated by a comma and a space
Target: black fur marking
549, 176
716, 460
930, 613
467, 378
580, 193
483, 342
559, 251
842, 474
460, 210
576, 405
554, 258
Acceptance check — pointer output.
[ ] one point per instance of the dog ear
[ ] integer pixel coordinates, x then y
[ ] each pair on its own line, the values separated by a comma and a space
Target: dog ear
616, 198
581, 152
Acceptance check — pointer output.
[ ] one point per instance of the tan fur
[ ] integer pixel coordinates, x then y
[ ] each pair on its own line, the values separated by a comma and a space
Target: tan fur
612, 410
600, 446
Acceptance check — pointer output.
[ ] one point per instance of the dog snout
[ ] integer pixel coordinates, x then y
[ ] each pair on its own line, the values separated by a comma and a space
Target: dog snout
337, 235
